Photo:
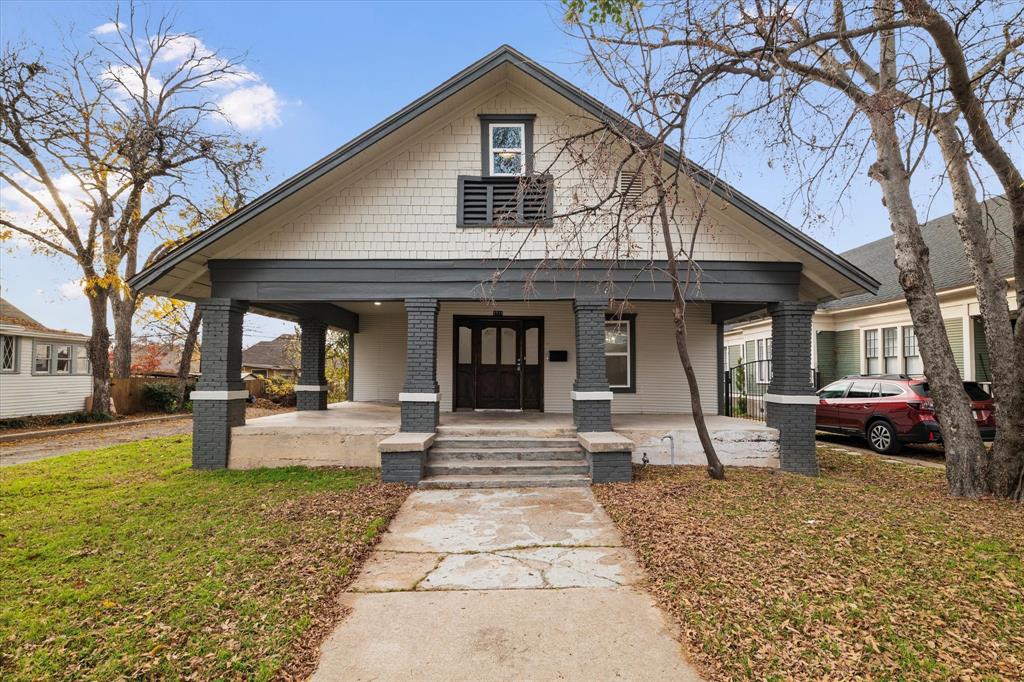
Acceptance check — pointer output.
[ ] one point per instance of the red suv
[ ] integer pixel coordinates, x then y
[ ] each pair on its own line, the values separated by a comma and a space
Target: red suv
892, 409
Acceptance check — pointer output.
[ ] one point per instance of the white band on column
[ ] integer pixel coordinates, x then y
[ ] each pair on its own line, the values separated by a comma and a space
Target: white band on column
791, 399
310, 387
591, 395
419, 397
218, 395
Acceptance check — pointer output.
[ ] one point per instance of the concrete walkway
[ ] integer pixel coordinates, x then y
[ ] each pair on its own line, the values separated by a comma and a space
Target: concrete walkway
526, 584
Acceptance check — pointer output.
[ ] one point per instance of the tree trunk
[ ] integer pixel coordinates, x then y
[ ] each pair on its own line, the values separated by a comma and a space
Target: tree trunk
99, 351
1006, 460
123, 308
965, 453
188, 349
715, 468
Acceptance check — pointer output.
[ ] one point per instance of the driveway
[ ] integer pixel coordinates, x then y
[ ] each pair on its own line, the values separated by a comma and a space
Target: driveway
502, 584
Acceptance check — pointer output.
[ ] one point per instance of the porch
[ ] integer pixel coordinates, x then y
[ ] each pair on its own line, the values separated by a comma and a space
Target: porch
350, 434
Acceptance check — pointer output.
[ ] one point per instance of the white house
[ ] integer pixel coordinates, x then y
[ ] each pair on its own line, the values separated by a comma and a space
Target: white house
42, 370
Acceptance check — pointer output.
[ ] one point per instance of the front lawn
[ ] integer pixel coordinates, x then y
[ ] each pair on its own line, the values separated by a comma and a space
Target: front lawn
125, 563
867, 572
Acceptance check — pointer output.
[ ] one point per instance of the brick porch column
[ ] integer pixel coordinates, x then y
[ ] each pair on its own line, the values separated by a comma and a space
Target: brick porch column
591, 397
420, 397
311, 391
218, 403
790, 398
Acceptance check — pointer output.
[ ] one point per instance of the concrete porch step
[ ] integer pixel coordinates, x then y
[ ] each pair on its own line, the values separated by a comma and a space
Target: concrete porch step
500, 442
506, 468
444, 453
509, 481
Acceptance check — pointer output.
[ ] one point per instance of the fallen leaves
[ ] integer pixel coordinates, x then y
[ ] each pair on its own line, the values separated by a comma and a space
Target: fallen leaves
869, 571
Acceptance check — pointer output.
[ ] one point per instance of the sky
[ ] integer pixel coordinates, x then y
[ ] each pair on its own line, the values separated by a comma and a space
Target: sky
327, 71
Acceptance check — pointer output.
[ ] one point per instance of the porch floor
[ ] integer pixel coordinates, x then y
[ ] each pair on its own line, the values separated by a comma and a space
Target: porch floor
347, 434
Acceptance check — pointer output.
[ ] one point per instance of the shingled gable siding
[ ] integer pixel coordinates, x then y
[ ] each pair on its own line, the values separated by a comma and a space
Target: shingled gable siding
406, 205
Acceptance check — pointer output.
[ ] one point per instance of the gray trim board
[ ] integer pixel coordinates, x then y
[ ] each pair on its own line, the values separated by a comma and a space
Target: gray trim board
332, 315
266, 282
503, 55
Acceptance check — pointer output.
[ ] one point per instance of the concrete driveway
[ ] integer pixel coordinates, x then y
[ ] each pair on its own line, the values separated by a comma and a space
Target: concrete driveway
527, 584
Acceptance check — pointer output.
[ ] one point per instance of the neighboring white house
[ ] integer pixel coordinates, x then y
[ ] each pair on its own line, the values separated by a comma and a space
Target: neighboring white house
42, 370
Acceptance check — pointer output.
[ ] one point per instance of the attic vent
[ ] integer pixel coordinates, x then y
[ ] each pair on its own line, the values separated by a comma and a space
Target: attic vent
485, 201
631, 187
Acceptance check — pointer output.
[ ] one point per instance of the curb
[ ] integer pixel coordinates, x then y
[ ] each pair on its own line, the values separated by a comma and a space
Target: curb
33, 435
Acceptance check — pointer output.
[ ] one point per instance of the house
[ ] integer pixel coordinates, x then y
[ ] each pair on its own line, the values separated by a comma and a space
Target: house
275, 358
152, 359
393, 237
863, 334
42, 370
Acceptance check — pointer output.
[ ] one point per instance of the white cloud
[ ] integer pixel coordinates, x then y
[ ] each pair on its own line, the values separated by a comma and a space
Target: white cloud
129, 81
252, 108
107, 28
72, 289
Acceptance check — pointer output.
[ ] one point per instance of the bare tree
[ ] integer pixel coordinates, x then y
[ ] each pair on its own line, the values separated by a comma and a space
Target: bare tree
827, 68
101, 142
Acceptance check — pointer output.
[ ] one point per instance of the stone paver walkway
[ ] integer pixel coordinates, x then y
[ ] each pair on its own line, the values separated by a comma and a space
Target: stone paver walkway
528, 584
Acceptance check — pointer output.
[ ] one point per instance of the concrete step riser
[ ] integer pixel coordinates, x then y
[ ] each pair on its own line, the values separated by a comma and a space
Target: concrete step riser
485, 482
507, 470
460, 455
504, 443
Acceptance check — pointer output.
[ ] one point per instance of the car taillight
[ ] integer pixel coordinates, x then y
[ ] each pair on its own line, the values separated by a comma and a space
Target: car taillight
924, 406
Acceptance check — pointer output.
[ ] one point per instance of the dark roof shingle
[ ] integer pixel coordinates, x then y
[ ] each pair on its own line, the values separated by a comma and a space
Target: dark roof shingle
273, 354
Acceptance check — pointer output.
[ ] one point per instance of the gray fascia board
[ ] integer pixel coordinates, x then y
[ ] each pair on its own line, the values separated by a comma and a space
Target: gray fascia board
504, 54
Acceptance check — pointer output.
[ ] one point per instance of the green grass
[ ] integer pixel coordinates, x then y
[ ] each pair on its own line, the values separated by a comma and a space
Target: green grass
867, 572
123, 562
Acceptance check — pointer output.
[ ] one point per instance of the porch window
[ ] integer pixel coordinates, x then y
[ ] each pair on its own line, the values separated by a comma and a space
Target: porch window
911, 355
82, 365
871, 351
43, 356
63, 359
764, 357
890, 348
8, 354
619, 353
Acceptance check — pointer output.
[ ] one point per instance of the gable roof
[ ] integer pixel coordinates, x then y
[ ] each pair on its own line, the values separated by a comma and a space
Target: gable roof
504, 55
270, 354
17, 320
947, 259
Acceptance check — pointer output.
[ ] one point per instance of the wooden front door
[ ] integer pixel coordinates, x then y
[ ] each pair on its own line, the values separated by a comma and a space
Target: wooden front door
498, 363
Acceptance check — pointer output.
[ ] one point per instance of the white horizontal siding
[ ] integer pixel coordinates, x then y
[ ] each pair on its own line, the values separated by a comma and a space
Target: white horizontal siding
24, 394
379, 368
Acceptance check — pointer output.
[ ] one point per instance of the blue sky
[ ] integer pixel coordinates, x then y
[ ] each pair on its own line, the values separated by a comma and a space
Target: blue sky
336, 69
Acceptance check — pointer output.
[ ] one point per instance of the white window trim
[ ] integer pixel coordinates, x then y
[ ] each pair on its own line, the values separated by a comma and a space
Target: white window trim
521, 150
75, 368
762, 351
49, 367
628, 354
15, 353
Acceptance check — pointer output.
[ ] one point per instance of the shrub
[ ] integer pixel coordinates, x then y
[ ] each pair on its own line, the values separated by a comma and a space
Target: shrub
81, 418
13, 423
160, 396
280, 390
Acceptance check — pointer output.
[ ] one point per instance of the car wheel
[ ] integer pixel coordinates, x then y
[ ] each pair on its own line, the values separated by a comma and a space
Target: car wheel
882, 438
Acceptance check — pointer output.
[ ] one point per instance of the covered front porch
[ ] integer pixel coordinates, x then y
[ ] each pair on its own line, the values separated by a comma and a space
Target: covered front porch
350, 433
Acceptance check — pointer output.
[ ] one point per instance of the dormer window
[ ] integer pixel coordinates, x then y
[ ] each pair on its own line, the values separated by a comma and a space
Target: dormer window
507, 145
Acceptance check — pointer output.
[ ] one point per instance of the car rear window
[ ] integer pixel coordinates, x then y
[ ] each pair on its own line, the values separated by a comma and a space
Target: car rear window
974, 390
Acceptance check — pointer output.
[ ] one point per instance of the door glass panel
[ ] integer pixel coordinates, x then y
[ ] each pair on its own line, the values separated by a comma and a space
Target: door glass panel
488, 346
532, 341
465, 345
508, 346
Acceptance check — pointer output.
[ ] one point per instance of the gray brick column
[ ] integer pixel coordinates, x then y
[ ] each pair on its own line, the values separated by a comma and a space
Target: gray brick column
420, 397
790, 398
311, 391
591, 397
218, 403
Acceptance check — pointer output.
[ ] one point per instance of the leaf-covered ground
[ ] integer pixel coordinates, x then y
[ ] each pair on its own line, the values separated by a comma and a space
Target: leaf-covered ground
867, 572
125, 563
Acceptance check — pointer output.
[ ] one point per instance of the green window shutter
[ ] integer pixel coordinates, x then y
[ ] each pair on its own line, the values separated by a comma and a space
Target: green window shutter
981, 358
826, 356
847, 344
955, 334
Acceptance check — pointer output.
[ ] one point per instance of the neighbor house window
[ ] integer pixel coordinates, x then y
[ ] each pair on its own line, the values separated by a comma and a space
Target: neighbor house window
911, 354
764, 357
8, 354
43, 358
619, 353
890, 348
63, 354
871, 351
82, 365
508, 148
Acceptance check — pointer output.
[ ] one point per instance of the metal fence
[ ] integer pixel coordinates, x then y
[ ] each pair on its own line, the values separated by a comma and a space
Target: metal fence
744, 387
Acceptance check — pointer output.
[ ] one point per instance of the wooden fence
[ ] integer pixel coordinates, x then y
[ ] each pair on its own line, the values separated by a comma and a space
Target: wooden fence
129, 394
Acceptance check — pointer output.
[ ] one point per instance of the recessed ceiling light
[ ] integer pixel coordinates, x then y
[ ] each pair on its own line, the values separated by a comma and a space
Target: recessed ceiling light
377, 303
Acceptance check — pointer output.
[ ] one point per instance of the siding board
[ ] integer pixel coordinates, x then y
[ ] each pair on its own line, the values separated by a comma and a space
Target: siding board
955, 333
847, 352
